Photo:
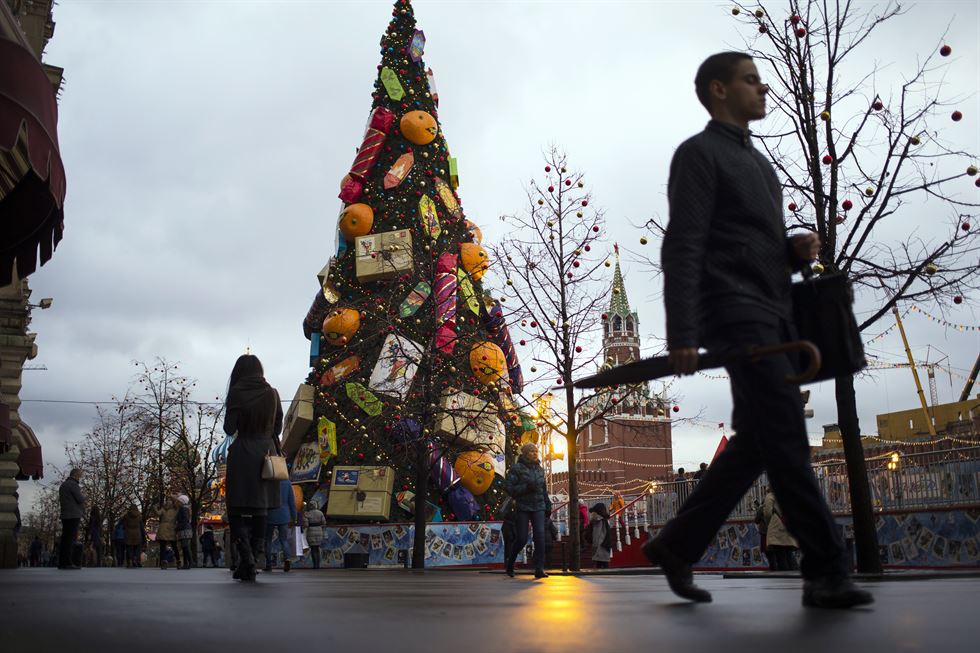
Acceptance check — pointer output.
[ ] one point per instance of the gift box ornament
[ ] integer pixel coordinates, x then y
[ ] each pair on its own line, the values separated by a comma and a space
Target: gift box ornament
392, 86
399, 170
326, 437
361, 492
396, 366
430, 77
340, 371
406, 501
364, 398
463, 418
464, 505
448, 198
330, 292
314, 348
441, 471
413, 302
314, 317
446, 284
382, 256
496, 326
406, 431
306, 464
466, 292
379, 124
417, 46
298, 420
453, 172
429, 217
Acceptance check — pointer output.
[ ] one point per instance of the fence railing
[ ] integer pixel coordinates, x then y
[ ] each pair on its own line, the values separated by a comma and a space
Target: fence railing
937, 479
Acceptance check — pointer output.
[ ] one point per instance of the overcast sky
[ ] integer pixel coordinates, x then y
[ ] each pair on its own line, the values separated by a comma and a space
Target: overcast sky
204, 143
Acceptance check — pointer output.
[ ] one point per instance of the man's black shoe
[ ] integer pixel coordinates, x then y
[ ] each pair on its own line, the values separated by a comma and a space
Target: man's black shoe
834, 593
540, 574
678, 573
509, 571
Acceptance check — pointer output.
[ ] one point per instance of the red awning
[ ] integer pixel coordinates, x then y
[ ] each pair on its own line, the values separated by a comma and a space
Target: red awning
29, 459
32, 177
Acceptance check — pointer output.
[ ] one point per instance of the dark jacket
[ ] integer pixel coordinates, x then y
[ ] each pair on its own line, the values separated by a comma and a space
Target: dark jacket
133, 525
286, 512
525, 482
254, 412
207, 541
725, 256
185, 530
72, 500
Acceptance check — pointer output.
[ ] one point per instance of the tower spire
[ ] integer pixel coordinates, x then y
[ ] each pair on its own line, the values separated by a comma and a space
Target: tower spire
618, 304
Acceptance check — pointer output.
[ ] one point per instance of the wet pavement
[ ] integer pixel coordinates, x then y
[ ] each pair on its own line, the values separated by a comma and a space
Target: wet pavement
463, 611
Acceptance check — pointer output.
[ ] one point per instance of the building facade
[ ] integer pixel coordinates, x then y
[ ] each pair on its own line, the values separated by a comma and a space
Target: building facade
32, 185
626, 446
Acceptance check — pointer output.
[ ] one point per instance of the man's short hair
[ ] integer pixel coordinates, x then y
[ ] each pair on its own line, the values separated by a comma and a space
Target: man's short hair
719, 66
76, 473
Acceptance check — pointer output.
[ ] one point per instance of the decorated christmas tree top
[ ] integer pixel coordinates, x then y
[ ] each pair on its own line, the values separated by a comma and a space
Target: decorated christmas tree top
413, 369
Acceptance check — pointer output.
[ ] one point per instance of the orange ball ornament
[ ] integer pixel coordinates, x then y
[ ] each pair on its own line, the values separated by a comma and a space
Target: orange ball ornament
487, 362
475, 260
476, 232
356, 220
298, 498
419, 127
475, 470
340, 325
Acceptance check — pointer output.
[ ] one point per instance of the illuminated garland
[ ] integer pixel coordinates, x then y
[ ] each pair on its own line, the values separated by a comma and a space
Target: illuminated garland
923, 443
627, 463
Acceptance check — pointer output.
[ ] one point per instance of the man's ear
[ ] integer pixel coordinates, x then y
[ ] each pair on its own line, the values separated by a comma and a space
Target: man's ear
717, 90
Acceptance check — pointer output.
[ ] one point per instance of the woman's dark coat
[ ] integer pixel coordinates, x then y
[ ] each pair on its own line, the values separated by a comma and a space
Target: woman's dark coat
525, 482
254, 412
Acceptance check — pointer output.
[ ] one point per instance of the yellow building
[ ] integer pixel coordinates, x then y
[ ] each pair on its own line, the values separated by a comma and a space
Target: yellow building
957, 419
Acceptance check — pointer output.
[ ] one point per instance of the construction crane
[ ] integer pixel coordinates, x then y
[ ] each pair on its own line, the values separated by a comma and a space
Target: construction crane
915, 375
970, 381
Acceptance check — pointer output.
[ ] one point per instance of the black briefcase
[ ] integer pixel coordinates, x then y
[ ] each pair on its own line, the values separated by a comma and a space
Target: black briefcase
824, 315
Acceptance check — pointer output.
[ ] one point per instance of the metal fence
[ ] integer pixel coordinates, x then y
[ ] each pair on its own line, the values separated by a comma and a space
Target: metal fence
937, 480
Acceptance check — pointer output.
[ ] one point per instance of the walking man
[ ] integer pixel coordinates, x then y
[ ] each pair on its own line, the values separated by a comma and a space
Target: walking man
727, 261
72, 510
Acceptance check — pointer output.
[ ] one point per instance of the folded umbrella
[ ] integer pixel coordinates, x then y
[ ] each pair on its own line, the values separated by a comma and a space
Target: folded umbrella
658, 366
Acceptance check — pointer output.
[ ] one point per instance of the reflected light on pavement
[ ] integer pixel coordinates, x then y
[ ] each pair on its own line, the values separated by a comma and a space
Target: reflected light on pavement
556, 615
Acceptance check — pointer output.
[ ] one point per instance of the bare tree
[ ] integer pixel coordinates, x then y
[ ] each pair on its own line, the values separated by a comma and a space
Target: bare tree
555, 289
192, 470
159, 393
855, 152
109, 456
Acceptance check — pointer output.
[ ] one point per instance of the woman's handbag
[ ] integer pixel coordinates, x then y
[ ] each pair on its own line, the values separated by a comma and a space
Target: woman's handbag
823, 315
274, 468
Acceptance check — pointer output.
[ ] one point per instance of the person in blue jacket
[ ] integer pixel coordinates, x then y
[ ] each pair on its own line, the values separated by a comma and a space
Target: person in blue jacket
277, 525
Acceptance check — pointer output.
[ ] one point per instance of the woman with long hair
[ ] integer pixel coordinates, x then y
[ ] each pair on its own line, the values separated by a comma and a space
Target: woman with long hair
253, 414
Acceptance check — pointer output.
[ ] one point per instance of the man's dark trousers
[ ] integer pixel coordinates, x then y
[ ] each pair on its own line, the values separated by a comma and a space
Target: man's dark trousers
770, 436
69, 532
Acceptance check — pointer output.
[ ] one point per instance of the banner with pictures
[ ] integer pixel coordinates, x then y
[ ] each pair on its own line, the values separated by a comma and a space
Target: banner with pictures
447, 544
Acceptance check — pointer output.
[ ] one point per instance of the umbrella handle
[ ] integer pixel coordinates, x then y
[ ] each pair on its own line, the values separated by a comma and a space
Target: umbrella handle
805, 346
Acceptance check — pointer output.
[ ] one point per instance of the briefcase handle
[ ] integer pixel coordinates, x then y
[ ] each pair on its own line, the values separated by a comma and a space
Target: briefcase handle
797, 346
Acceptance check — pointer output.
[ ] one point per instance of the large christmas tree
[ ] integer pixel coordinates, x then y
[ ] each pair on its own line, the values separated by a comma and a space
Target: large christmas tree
413, 371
